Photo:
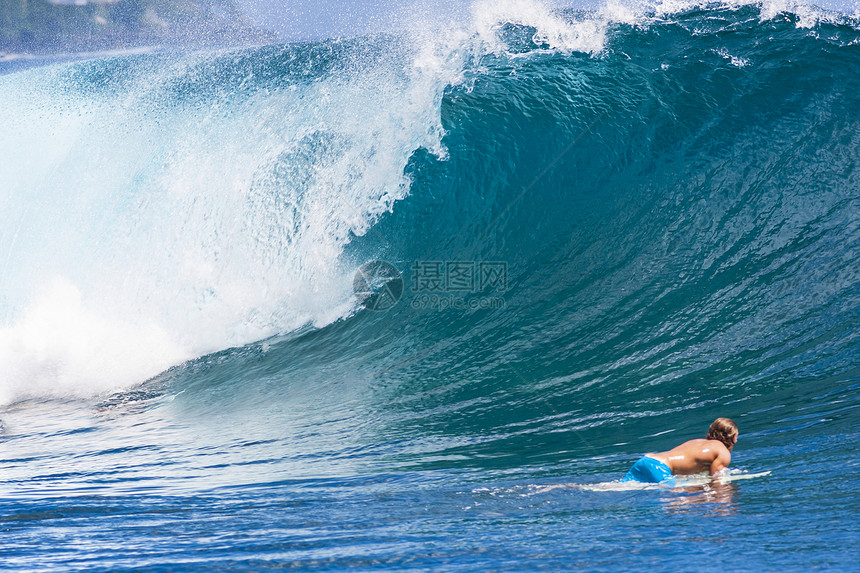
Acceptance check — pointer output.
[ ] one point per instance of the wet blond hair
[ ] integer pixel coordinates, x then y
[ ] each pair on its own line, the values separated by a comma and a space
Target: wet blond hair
723, 430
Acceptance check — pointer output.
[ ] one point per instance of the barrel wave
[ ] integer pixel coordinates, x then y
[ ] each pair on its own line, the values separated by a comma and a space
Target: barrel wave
653, 219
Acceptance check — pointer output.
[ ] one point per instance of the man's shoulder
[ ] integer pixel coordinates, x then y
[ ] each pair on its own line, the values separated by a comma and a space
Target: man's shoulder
696, 443
704, 442
717, 447
705, 447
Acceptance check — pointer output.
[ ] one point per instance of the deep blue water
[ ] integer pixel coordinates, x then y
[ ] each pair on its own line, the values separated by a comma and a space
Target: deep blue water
602, 236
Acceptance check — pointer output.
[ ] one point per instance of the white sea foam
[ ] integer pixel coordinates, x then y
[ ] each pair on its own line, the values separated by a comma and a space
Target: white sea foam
808, 13
585, 35
58, 346
139, 229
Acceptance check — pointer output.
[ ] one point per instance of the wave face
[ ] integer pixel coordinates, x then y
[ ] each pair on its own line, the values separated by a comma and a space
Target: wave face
669, 202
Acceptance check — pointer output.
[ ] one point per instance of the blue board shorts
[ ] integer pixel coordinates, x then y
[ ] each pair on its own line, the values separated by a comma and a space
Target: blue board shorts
648, 470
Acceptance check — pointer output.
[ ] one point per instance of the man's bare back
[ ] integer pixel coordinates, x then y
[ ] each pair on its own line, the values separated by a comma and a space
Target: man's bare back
711, 454
696, 456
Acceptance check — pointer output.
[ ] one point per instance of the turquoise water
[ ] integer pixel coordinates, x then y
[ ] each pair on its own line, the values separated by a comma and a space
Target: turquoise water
605, 233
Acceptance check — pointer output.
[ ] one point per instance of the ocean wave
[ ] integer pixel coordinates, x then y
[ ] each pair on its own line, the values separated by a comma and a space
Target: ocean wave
669, 189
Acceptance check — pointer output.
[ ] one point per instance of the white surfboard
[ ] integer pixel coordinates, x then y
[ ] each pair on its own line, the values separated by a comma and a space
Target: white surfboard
682, 481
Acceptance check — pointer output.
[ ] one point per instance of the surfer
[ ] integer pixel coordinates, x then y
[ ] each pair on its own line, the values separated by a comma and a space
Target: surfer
712, 454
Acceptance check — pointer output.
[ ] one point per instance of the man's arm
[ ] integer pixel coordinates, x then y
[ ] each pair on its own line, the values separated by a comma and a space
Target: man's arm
721, 462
